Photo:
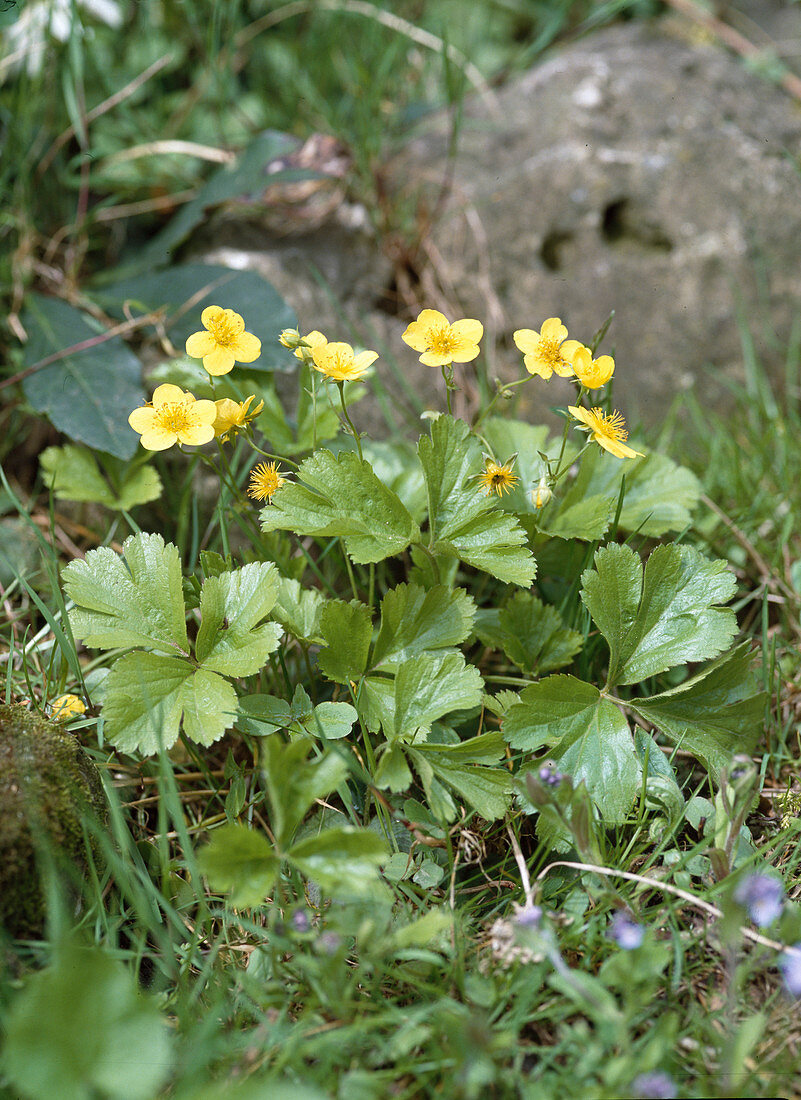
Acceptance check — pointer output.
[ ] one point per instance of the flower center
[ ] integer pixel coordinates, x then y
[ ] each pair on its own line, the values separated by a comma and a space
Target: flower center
441, 341
174, 416
611, 426
549, 350
222, 330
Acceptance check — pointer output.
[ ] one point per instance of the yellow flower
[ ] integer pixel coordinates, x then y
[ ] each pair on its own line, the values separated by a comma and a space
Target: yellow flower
173, 416
339, 362
541, 493
592, 373
233, 415
608, 432
264, 480
66, 707
311, 340
548, 351
441, 342
498, 478
224, 342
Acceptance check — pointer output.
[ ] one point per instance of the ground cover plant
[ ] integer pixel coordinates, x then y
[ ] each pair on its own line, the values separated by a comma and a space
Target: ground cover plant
455, 764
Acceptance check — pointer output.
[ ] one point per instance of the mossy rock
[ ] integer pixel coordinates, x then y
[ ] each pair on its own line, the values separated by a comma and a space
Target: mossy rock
48, 785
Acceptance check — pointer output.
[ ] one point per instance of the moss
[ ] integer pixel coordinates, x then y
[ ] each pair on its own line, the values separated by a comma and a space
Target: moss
47, 785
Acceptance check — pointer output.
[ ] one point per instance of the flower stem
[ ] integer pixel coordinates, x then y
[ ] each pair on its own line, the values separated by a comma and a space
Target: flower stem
354, 433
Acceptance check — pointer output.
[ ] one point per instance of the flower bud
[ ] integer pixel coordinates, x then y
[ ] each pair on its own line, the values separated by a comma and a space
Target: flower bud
541, 493
290, 338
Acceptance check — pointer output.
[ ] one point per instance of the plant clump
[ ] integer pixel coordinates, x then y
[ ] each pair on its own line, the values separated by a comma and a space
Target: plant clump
47, 785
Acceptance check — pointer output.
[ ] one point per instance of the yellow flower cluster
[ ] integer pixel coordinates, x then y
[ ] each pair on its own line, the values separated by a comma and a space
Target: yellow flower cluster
549, 352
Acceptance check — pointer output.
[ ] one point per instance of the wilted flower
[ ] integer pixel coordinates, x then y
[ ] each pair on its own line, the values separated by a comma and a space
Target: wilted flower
339, 362
548, 351
790, 966
67, 707
626, 933
762, 896
592, 373
233, 415
608, 432
497, 478
173, 416
265, 479
224, 342
440, 341
656, 1085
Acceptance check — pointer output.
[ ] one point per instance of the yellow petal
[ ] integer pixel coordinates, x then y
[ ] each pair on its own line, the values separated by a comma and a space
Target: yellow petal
200, 344
415, 336
197, 434
166, 394
220, 361
206, 411
553, 329
465, 354
435, 359
141, 419
235, 321
364, 359
210, 315
616, 448
431, 318
527, 340
157, 439
569, 348
580, 414
534, 364
246, 347
468, 329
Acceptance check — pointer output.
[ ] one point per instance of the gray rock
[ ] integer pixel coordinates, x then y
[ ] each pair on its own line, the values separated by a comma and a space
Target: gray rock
635, 172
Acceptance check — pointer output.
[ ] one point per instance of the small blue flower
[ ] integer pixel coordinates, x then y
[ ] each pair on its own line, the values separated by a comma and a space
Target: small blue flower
656, 1085
625, 932
790, 966
529, 917
300, 921
549, 777
762, 896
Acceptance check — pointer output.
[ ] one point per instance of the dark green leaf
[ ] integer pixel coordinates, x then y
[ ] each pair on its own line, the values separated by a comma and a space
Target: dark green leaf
427, 688
87, 394
347, 629
531, 634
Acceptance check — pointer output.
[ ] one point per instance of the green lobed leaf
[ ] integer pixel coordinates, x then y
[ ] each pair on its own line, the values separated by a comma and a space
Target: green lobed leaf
347, 629
293, 783
72, 473
147, 696
577, 517
87, 394
659, 496
393, 771
463, 520
340, 861
232, 605
240, 860
553, 708
531, 634
415, 621
591, 742
714, 714
427, 688
671, 616
81, 1028
132, 599
298, 610
340, 495
471, 770
395, 463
